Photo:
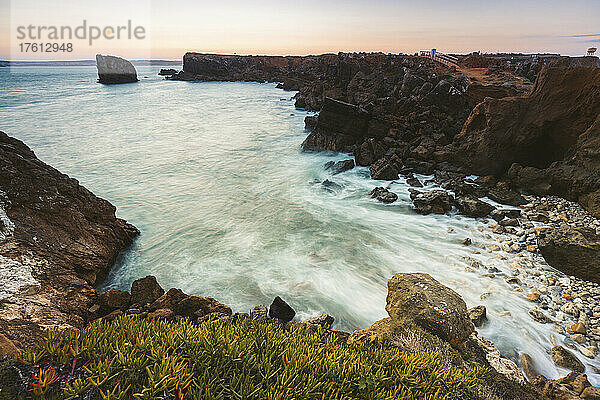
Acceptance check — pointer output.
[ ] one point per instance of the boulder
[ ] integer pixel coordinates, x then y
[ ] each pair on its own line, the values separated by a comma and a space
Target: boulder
383, 169
112, 70
169, 299
565, 359
145, 290
340, 166
572, 250
281, 310
504, 195
383, 195
434, 201
473, 207
417, 298
194, 305
478, 315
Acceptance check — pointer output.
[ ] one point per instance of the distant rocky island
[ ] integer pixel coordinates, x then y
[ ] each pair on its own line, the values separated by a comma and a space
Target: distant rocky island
529, 129
114, 70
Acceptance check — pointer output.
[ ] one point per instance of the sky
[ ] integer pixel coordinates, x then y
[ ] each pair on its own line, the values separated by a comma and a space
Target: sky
285, 27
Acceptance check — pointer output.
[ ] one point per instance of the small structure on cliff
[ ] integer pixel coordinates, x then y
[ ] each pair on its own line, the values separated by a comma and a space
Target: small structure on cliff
112, 70
591, 51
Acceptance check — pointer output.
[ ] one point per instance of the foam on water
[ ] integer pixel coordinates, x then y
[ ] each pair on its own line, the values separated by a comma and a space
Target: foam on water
228, 206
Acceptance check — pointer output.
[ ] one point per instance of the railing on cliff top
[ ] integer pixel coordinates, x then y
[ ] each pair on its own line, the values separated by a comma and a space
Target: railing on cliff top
442, 58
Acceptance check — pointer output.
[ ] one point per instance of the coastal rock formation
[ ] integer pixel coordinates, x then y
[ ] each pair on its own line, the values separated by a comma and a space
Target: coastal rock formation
433, 201
384, 195
552, 135
421, 300
62, 241
574, 251
112, 70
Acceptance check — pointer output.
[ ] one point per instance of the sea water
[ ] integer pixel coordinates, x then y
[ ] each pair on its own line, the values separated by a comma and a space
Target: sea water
230, 207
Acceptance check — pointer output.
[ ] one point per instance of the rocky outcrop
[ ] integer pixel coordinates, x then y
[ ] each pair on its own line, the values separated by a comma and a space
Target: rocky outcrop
62, 241
113, 70
574, 251
383, 195
421, 300
433, 201
552, 135
167, 72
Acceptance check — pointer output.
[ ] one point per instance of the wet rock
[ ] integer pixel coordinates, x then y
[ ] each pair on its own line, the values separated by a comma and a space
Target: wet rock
529, 367
500, 363
145, 290
413, 181
383, 169
323, 320
419, 299
331, 186
513, 280
500, 214
572, 250
434, 201
509, 222
565, 359
478, 315
467, 242
539, 316
473, 207
384, 195
281, 310
340, 166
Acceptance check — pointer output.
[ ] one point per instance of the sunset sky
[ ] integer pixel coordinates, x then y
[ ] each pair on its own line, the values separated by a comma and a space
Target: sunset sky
311, 27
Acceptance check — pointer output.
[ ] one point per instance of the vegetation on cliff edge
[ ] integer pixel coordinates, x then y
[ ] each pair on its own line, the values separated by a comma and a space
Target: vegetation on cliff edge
131, 357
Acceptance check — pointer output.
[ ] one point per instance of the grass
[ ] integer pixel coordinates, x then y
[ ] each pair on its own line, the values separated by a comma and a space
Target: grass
135, 358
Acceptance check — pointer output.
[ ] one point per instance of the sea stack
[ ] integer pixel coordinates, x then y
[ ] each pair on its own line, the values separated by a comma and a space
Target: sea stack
112, 70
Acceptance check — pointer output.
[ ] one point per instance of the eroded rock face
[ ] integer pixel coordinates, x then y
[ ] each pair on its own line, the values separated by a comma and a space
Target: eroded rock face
574, 251
63, 241
112, 70
553, 134
418, 298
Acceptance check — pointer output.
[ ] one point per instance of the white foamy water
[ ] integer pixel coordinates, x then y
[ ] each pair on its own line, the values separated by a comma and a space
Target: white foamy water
228, 206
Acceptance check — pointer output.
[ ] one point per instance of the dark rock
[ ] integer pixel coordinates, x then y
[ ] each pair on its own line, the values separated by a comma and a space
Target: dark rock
331, 186
418, 298
7, 347
167, 72
434, 201
339, 126
574, 251
114, 299
340, 166
198, 306
565, 359
467, 242
413, 181
169, 299
145, 290
281, 310
472, 206
506, 196
383, 169
500, 214
384, 195
113, 315
478, 315
591, 393
509, 222
591, 202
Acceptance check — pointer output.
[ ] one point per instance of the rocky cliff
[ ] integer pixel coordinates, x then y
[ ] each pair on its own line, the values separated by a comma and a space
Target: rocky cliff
112, 70
549, 139
58, 240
